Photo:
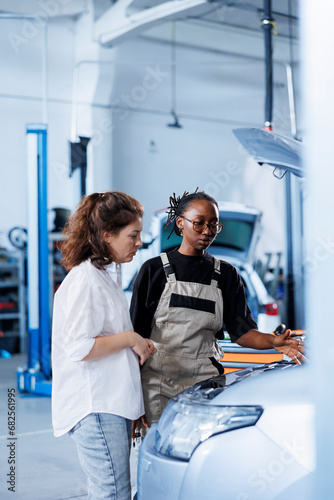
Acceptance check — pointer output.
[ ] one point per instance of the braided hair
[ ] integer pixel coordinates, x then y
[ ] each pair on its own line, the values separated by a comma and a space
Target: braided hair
179, 204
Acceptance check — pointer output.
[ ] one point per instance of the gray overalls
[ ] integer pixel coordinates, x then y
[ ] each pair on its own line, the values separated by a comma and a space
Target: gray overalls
183, 330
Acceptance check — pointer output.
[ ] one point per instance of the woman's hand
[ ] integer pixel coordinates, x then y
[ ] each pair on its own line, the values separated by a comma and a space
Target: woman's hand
109, 344
144, 348
135, 426
151, 347
292, 347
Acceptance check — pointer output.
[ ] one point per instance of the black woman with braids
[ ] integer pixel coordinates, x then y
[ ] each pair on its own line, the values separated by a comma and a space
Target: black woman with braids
181, 301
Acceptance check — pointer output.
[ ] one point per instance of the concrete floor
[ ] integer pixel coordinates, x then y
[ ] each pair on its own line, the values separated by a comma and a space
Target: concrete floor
47, 468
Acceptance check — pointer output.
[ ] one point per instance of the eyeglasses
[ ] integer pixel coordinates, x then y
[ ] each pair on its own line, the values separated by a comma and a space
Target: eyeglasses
199, 227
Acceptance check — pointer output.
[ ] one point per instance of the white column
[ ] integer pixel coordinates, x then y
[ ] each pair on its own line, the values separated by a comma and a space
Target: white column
318, 107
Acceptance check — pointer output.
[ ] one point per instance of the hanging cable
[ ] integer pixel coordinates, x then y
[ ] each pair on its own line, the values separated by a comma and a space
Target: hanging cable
291, 52
176, 123
267, 24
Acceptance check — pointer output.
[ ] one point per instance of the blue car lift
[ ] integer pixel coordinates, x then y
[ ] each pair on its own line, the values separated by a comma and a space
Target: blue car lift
35, 377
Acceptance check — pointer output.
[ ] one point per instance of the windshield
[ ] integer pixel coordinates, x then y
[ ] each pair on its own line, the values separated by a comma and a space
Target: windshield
236, 234
174, 240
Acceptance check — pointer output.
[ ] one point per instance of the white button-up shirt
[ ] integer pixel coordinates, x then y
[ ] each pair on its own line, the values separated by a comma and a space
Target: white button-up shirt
90, 303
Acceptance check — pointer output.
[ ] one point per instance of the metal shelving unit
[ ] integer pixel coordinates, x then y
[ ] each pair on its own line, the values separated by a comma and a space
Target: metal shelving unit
12, 299
56, 272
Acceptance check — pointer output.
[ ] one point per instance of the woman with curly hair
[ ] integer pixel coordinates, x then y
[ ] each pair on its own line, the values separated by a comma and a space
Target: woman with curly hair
96, 355
182, 299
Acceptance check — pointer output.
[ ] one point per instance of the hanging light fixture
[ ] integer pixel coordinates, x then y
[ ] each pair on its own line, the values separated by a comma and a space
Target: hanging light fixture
175, 123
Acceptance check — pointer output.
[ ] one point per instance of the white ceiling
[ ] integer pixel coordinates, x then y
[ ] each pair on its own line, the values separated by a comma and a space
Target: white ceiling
242, 14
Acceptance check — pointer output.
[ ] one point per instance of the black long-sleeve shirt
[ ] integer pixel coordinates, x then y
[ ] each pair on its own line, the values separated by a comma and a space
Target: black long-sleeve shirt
151, 280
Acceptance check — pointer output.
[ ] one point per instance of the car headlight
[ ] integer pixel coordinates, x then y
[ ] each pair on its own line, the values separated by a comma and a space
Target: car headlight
185, 424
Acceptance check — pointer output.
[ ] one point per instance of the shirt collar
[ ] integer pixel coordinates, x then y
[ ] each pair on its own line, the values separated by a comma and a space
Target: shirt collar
114, 271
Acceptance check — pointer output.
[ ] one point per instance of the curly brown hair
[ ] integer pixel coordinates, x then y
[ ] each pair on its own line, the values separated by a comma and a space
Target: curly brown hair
97, 213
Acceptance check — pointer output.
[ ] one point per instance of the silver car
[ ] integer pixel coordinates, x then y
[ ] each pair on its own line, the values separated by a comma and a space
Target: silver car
239, 436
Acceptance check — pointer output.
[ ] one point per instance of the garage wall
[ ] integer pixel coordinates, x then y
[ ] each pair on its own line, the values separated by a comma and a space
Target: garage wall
219, 87
21, 103
126, 106
21, 94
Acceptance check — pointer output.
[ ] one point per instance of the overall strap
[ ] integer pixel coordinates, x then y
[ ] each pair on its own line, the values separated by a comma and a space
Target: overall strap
168, 268
216, 273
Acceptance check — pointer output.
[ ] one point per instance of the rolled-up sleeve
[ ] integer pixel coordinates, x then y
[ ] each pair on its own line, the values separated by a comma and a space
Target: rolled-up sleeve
84, 317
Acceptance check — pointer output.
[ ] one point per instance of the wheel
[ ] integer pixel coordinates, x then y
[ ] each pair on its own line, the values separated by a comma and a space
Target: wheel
18, 237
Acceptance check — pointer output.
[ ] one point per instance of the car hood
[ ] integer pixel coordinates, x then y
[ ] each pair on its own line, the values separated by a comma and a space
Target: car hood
278, 382
281, 152
283, 391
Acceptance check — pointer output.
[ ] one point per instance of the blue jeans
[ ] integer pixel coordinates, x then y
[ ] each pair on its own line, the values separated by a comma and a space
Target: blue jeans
103, 442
